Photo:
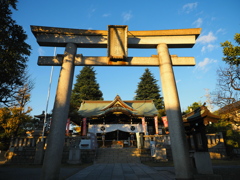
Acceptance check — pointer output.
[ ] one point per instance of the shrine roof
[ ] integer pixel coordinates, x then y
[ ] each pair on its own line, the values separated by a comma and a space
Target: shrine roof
93, 108
230, 108
200, 114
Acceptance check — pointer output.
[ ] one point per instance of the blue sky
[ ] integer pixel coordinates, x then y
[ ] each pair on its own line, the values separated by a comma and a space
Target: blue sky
218, 19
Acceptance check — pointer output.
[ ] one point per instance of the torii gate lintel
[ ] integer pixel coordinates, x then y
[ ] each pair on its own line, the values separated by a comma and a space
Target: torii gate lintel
59, 37
81, 60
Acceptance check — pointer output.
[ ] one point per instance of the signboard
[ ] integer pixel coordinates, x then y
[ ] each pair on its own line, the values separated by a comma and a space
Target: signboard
117, 42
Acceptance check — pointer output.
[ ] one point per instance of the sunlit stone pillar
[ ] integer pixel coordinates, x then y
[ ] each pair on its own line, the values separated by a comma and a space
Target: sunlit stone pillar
179, 147
53, 155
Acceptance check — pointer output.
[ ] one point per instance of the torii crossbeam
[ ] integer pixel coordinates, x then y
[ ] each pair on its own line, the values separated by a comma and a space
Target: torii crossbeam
117, 39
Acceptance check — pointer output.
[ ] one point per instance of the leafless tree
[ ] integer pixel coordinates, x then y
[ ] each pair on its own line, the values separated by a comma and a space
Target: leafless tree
226, 95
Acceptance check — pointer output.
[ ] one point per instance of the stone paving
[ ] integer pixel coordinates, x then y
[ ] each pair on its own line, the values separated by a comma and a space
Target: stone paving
121, 171
123, 163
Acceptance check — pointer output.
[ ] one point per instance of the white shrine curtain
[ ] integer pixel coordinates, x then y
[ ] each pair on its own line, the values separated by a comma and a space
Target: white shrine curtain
104, 128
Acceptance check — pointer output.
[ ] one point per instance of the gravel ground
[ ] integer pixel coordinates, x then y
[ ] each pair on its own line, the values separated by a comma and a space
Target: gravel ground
13, 172
27, 172
228, 169
228, 172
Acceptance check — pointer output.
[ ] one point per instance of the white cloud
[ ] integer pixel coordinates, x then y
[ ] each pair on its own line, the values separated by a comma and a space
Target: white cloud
204, 65
106, 15
127, 16
41, 52
178, 81
206, 38
204, 49
198, 22
209, 47
221, 31
213, 18
189, 7
91, 12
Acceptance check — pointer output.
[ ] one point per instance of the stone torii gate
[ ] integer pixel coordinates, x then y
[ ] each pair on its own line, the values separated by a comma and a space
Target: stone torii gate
117, 39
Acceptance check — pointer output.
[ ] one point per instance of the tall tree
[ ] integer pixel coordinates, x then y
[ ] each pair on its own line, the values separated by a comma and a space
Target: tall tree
209, 101
148, 89
14, 52
86, 87
192, 107
14, 119
228, 82
231, 52
226, 95
227, 89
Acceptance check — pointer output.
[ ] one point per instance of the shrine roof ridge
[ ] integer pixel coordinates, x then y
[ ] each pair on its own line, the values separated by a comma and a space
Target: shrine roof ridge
109, 101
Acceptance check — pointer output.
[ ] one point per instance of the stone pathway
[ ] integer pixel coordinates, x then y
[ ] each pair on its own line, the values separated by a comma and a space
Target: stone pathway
121, 171
120, 164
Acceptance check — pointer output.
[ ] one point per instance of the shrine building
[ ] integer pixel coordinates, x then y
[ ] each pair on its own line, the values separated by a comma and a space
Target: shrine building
118, 120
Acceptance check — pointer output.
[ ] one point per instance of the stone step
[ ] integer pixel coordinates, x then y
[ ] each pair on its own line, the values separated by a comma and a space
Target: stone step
123, 155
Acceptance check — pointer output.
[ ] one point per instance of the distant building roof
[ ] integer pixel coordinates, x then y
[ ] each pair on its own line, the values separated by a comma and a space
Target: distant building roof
42, 116
231, 111
200, 114
230, 108
90, 108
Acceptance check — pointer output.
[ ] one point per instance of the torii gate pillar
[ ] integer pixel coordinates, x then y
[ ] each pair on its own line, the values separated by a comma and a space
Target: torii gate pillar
53, 154
173, 110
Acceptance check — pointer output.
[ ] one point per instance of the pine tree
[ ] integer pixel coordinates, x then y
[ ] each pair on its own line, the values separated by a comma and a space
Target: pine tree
149, 90
14, 52
85, 88
192, 107
231, 52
